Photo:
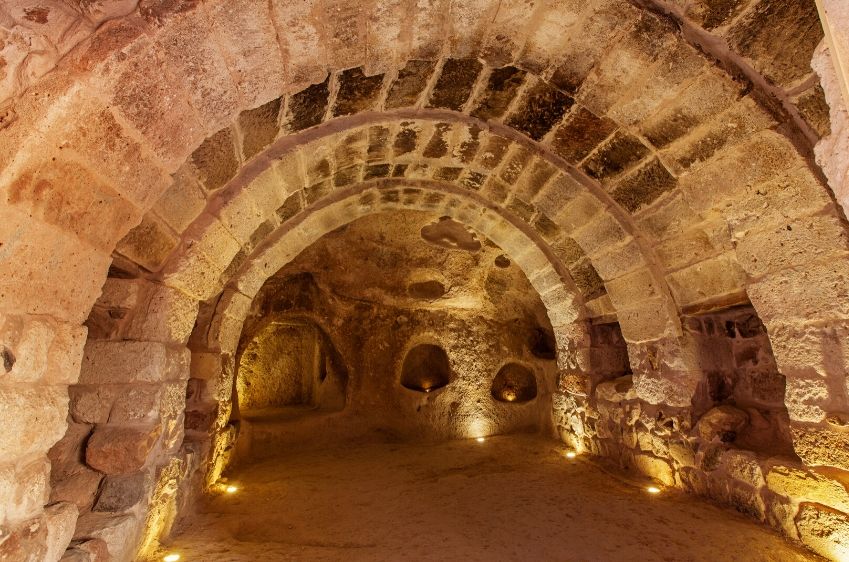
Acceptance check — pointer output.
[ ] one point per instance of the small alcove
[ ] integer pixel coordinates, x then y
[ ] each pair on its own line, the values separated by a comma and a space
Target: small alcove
514, 383
425, 368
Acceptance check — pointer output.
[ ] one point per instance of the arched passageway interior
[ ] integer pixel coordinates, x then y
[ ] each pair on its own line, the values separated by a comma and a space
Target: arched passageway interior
617, 222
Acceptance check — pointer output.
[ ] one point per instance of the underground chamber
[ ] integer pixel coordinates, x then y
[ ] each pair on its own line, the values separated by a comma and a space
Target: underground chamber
311, 280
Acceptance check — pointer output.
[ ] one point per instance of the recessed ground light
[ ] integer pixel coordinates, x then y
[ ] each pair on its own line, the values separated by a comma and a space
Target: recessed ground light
653, 490
173, 557
481, 439
231, 489
571, 454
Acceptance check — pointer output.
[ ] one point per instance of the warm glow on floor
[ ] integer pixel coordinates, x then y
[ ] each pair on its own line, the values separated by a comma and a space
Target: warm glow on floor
653, 490
481, 439
171, 557
231, 489
571, 454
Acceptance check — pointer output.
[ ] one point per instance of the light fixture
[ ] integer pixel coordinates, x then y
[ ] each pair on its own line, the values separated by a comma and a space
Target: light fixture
653, 490
481, 439
231, 489
571, 454
173, 557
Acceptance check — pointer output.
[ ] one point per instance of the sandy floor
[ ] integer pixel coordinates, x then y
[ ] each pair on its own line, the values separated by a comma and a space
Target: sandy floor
509, 498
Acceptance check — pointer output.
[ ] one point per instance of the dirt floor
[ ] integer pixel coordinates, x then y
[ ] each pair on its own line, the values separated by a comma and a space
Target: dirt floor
508, 498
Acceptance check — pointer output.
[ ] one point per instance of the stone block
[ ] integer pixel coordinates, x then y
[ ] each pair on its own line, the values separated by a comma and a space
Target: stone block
722, 422
133, 361
65, 194
182, 202
743, 466
632, 288
25, 542
61, 521
800, 485
718, 278
33, 419
617, 390
824, 530
163, 315
149, 243
23, 490
819, 291
136, 404
120, 533
121, 492
655, 468
29, 287
821, 446
248, 39
91, 403
119, 450
793, 243
671, 388
646, 321
37, 349
77, 485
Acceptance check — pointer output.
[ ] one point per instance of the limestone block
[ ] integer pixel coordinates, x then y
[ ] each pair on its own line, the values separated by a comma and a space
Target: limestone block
720, 277
37, 349
33, 419
91, 403
617, 390
120, 533
31, 490
136, 403
821, 446
119, 450
632, 288
682, 453
823, 349
163, 314
722, 422
133, 361
647, 320
819, 291
31, 288
824, 530
26, 541
182, 202
743, 466
77, 485
248, 38
121, 492
69, 196
759, 159
656, 468
814, 486
61, 520
791, 243
670, 388
807, 397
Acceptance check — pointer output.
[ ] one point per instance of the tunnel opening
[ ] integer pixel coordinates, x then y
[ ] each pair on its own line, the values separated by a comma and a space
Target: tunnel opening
412, 329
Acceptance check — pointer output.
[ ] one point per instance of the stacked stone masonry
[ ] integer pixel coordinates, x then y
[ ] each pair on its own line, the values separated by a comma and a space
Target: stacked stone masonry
649, 165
